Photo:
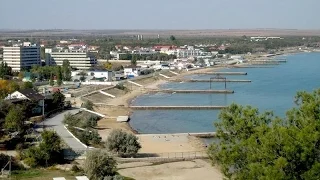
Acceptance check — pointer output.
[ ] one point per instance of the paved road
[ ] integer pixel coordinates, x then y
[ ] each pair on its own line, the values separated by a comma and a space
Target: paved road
56, 124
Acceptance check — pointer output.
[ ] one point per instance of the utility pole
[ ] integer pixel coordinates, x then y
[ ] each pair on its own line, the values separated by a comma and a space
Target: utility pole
44, 95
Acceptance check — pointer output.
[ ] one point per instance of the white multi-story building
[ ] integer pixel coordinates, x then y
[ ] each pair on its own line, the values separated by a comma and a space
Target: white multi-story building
22, 57
79, 59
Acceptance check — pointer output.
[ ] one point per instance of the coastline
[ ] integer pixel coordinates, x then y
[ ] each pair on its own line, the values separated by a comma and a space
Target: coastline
149, 141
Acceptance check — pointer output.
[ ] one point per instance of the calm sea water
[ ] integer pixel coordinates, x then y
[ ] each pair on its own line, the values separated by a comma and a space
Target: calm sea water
271, 89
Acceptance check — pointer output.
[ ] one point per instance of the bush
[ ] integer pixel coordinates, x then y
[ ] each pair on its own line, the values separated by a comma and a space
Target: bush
91, 121
123, 143
88, 137
47, 153
86, 121
76, 169
116, 177
99, 164
88, 105
121, 87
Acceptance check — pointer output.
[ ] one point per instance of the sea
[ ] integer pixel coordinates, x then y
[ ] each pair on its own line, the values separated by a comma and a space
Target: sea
270, 89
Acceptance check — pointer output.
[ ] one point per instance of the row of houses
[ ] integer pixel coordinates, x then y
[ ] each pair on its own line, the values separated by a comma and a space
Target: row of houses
180, 52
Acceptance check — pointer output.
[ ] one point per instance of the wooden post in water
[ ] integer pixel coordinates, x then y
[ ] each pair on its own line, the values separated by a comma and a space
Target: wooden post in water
219, 77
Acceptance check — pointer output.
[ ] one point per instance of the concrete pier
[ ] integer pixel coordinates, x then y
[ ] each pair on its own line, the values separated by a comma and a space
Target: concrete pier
212, 80
276, 60
264, 63
224, 73
248, 66
177, 107
192, 91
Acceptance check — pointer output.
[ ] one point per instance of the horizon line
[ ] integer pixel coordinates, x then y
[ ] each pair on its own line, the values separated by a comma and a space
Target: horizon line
205, 29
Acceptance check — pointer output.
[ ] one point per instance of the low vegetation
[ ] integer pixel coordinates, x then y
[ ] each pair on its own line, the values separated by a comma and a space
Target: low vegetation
88, 105
122, 143
47, 153
82, 126
255, 145
99, 164
121, 87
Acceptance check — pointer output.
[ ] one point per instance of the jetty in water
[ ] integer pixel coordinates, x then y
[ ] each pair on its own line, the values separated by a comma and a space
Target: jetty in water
274, 61
248, 66
193, 91
211, 80
263, 63
177, 107
223, 73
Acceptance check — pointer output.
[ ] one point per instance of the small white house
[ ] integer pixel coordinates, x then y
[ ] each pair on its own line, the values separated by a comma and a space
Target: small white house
28, 95
132, 71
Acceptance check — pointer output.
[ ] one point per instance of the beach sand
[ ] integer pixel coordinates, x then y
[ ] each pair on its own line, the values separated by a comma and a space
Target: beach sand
169, 143
184, 170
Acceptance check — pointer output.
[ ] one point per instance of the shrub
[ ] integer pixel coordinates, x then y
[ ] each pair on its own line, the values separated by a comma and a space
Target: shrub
91, 121
121, 87
76, 169
88, 105
99, 164
88, 137
116, 177
47, 153
122, 143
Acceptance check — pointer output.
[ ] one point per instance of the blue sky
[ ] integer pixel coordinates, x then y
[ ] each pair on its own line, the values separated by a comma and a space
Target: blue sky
160, 14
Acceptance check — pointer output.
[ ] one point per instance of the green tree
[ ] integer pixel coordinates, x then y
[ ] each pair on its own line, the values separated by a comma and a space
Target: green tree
255, 145
59, 76
58, 99
5, 70
27, 85
42, 53
66, 69
15, 118
123, 143
99, 164
83, 75
49, 151
134, 61
172, 38
88, 105
51, 82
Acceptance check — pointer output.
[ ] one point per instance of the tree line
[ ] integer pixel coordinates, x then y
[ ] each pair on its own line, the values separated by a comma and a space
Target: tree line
51, 73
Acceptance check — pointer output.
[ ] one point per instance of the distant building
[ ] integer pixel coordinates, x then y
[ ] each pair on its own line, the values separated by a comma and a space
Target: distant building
262, 38
94, 75
132, 71
22, 57
83, 60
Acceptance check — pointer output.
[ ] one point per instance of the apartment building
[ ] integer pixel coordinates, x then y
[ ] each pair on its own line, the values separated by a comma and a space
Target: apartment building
79, 59
23, 56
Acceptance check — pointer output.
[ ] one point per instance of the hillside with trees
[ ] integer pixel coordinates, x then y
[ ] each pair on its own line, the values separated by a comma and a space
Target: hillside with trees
254, 145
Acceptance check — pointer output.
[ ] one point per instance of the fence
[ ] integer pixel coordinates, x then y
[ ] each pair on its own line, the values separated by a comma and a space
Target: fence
142, 157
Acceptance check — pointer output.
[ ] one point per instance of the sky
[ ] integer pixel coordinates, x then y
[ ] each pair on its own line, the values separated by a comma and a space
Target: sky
160, 14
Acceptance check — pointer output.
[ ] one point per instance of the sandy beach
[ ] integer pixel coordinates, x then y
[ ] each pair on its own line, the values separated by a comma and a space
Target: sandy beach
184, 170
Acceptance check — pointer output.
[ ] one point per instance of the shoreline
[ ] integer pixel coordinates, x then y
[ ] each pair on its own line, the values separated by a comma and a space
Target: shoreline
122, 104
214, 68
